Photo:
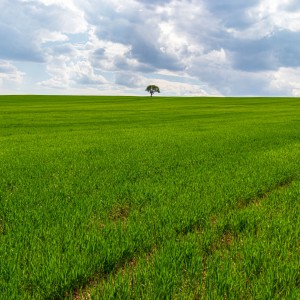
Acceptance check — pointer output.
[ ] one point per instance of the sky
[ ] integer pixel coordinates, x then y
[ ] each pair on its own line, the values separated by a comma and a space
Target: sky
118, 47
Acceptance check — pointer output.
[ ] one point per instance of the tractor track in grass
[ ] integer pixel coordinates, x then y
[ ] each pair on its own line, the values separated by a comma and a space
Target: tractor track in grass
127, 265
281, 185
224, 241
227, 236
221, 243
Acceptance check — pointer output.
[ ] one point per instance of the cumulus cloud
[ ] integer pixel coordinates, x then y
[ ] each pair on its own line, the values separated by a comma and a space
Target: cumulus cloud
178, 88
9, 73
26, 25
69, 69
211, 46
134, 26
130, 80
286, 81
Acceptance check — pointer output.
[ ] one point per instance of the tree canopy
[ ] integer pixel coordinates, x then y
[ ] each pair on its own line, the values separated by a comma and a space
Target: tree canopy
152, 89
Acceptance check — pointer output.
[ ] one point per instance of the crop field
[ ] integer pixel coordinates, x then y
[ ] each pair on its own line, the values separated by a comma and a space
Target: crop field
149, 198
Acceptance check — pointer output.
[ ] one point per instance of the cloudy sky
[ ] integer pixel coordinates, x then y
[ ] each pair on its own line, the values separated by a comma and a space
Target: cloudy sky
186, 47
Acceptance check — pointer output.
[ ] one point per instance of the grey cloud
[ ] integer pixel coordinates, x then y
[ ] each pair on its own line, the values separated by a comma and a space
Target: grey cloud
63, 49
50, 17
232, 13
119, 62
154, 2
199, 30
231, 82
87, 80
287, 48
293, 6
247, 60
6, 68
282, 49
17, 46
9, 72
138, 31
99, 53
147, 52
128, 79
23, 26
253, 62
122, 63
226, 6
143, 46
207, 29
17, 40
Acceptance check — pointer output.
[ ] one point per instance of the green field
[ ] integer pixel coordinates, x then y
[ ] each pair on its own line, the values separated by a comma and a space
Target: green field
149, 198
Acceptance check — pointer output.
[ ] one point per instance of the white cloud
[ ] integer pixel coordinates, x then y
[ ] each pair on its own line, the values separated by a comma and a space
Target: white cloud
182, 89
286, 81
51, 36
26, 25
9, 73
67, 72
267, 17
210, 46
130, 80
277, 14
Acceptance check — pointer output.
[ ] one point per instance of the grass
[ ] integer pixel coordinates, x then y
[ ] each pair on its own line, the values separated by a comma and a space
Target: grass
149, 198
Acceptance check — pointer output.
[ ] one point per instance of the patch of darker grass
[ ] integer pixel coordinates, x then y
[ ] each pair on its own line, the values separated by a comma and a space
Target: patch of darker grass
119, 212
262, 195
126, 266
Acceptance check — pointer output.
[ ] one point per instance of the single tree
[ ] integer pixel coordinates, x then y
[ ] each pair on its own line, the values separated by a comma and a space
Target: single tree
152, 89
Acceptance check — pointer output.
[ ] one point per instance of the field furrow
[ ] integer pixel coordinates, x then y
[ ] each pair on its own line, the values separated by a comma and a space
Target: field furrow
131, 198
